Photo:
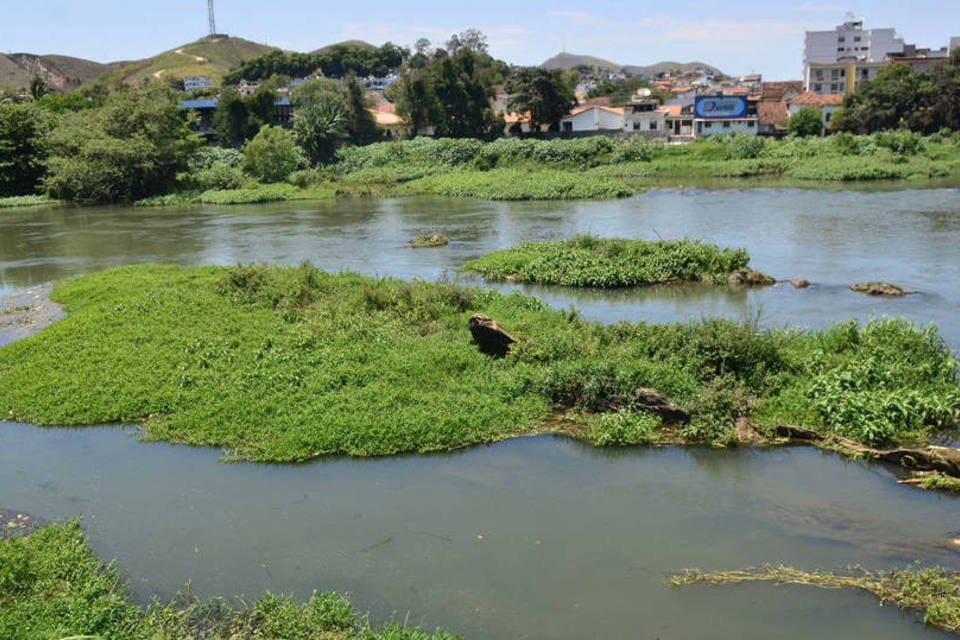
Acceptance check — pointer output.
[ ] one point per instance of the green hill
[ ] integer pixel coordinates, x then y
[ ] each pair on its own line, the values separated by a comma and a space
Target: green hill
572, 61
206, 57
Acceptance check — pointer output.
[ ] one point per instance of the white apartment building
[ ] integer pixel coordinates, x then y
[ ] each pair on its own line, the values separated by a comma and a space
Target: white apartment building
196, 82
829, 57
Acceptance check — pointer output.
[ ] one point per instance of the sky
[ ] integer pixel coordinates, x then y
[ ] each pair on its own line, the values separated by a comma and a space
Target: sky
737, 36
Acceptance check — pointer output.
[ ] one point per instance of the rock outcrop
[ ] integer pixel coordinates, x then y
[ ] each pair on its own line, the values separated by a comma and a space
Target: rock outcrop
489, 336
880, 289
749, 278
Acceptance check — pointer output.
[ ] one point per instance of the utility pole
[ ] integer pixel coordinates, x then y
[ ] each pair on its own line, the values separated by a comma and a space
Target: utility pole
213, 23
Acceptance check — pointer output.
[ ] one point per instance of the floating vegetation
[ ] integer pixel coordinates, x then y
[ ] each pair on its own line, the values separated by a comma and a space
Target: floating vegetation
589, 261
933, 591
429, 240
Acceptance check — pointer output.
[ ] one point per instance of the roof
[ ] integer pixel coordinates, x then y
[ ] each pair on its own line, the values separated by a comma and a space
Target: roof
736, 91
773, 114
206, 103
672, 110
584, 108
385, 118
813, 99
779, 90
603, 101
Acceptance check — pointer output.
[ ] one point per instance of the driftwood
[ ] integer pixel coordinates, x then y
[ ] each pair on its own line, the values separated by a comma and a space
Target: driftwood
490, 337
946, 460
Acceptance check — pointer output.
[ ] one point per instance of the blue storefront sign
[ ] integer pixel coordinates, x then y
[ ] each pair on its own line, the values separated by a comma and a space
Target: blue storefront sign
720, 107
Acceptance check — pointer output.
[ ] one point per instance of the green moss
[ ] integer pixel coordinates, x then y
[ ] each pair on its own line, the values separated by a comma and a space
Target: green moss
52, 586
588, 261
429, 240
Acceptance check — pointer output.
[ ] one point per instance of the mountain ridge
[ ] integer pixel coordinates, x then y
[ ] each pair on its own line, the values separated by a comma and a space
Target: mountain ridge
567, 61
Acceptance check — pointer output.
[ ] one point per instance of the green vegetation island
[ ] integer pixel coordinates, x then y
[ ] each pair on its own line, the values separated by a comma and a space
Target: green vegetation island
289, 364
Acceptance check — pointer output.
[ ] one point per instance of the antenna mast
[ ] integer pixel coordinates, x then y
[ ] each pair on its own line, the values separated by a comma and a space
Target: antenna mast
213, 22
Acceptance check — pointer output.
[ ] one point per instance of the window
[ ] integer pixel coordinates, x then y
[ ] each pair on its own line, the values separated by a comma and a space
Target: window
843, 73
841, 39
840, 49
833, 88
819, 74
750, 124
726, 125
856, 38
708, 125
865, 73
636, 126
818, 87
653, 125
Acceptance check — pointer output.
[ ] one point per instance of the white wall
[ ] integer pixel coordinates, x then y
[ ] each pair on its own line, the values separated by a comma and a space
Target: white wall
704, 128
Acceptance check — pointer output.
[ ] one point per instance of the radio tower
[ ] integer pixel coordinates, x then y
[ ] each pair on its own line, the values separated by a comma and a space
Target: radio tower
213, 22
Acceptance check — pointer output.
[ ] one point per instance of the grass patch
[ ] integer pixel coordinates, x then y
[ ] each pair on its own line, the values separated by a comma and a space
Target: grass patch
588, 261
286, 364
12, 202
52, 586
933, 591
506, 184
253, 195
429, 240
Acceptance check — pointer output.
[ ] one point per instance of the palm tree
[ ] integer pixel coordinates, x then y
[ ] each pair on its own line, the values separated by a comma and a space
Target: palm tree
320, 125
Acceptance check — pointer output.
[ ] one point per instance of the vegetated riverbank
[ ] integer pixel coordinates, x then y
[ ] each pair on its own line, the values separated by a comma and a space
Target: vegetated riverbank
287, 364
52, 586
933, 591
599, 167
588, 261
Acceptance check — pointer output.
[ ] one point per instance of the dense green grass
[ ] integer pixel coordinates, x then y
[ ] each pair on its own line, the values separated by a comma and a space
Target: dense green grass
26, 201
52, 586
588, 261
512, 184
286, 364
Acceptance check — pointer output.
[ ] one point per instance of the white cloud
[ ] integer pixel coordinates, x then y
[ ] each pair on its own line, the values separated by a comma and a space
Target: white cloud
583, 18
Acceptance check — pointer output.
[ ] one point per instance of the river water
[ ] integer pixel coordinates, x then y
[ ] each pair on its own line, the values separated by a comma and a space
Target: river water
537, 537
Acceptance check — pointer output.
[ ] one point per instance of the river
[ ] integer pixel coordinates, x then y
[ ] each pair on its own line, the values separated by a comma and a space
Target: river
537, 537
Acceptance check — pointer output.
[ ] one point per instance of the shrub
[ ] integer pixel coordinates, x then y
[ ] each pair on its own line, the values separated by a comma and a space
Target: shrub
272, 155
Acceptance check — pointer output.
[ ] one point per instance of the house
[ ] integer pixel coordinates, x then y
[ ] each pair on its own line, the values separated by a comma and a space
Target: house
246, 88
678, 121
204, 110
593, 118
644, 117
826, 103
196, 82
773, 117
720, 114
780, 91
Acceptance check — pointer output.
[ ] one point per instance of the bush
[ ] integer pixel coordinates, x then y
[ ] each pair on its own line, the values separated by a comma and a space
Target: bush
272, 155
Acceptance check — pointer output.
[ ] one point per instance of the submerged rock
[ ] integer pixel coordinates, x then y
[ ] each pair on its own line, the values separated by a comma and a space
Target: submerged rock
800, 283
749, 278
650, 400
490, 336
880, 289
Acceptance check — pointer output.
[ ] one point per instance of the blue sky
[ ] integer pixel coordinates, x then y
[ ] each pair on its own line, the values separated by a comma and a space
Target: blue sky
739, 36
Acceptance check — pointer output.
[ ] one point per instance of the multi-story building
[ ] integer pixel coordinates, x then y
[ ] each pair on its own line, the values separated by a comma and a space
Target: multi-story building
837, 61
196, 82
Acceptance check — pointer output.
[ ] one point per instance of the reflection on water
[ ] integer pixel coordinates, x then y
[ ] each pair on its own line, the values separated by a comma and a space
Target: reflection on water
576, 541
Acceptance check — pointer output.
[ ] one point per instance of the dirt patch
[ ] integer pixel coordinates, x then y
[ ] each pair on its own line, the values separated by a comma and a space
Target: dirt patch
27, 311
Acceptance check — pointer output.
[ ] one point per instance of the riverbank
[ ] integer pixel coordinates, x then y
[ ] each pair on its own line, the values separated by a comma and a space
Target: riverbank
282, 364
53, 586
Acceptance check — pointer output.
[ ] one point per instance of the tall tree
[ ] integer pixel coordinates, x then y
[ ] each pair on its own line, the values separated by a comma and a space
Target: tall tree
546, 94
362, 128
320, 125
23, 148
230, 120
131, 147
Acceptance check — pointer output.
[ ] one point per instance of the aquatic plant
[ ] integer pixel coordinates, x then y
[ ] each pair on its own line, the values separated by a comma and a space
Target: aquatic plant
429, 240
52, 586
286, 364
589, 261
11, 202
934, 591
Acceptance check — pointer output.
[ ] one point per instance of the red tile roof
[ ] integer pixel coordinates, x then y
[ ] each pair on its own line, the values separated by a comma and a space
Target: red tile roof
809, 98
777, 90
773, 114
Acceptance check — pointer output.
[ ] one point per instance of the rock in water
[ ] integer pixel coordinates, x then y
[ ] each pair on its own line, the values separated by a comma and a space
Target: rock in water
800, 283
749, 278
879, 289
490, 336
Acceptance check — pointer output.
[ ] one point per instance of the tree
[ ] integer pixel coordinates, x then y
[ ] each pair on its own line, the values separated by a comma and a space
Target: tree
272, 155
131, 147
361, 127
38, 88
806, 122
546, 94
230, 120
23, 148
898, 98
320, 125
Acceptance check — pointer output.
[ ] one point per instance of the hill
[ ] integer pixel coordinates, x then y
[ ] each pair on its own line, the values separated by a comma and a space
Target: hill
572, 61
206, 57
356, 43
61, 73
